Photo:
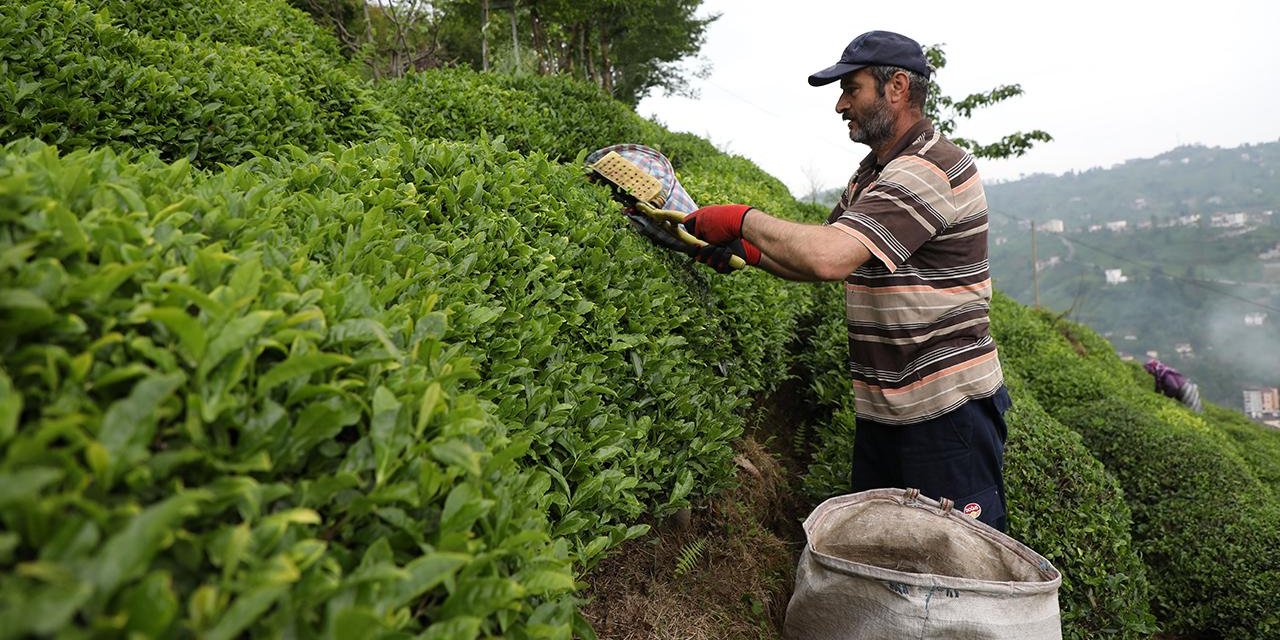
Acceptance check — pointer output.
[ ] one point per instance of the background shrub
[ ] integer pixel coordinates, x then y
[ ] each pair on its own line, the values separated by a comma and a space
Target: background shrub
1062, 502
77, 80
1206, 526
303, 368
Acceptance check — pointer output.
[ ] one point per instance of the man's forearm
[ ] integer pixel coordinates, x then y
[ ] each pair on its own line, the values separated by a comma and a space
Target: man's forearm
777, 269
803, 251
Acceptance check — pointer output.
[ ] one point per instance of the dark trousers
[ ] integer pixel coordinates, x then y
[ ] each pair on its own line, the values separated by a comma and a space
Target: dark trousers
958, 455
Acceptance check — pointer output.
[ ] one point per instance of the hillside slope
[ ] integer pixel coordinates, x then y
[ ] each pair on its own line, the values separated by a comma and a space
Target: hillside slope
286, 352
1181, 181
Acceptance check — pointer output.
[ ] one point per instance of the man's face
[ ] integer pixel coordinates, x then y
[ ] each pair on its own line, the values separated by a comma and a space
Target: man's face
867, 112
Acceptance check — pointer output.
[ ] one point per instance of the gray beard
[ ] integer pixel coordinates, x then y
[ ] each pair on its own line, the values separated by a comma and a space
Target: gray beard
877, 130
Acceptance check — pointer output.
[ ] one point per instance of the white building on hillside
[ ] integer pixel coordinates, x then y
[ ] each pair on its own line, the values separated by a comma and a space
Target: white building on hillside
1260, 401
1238, 219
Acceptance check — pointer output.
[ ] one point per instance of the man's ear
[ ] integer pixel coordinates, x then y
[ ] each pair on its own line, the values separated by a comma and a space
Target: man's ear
900, 86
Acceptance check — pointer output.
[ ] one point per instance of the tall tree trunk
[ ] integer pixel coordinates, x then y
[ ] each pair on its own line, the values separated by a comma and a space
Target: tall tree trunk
588, 64
568, 63
606, 67
368, 37
484, 35
515, 40
539, 40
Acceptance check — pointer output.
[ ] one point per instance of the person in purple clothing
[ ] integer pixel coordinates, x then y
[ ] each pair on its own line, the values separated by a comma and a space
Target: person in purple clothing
1174, 384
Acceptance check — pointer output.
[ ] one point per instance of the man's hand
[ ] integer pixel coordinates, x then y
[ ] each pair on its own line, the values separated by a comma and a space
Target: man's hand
717, 256
717, 224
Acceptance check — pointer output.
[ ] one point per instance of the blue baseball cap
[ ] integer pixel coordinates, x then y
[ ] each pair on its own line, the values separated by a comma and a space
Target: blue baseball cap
875, 48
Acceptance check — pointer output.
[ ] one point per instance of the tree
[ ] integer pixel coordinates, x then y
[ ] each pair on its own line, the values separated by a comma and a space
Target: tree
627, 48
647, 41
945, 110
390, 37
813, 178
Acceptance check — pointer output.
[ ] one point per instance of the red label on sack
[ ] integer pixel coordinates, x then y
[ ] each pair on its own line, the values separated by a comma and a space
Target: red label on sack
973, 510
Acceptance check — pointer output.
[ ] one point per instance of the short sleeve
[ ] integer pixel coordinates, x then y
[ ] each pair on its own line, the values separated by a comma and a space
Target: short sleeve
846, 198
906, 206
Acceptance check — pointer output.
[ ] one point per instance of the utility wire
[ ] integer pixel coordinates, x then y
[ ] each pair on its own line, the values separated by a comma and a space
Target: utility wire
1191, 281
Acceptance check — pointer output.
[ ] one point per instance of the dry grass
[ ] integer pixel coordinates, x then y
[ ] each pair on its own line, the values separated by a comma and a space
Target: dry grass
736, 588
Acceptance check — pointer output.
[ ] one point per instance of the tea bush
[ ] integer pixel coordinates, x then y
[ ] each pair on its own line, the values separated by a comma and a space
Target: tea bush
410, 371
211, 427
262, 381
75, 79
1062, 502
1207, 528
458, 104
264, 24
1259, 448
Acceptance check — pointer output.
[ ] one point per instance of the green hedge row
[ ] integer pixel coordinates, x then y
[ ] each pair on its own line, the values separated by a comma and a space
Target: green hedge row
1062, 502
76, 79
1258, 447
404, 386
399, 387
216, 423
459, 104
555, 116
265, 24
1207, 527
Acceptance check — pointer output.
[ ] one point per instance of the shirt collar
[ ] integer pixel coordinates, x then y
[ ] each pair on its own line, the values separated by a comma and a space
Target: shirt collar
921, 127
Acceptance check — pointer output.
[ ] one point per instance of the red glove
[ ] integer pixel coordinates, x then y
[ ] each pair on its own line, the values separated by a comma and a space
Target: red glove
717, 256
718, 223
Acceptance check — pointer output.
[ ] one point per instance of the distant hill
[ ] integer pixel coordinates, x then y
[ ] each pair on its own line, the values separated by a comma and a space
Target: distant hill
1191, 285
1184, 181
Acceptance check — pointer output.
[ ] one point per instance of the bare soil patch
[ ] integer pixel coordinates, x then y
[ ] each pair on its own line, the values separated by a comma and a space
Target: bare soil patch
723, 569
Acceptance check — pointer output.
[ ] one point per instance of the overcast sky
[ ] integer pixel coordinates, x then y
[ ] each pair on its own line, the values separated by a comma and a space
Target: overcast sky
1111, 81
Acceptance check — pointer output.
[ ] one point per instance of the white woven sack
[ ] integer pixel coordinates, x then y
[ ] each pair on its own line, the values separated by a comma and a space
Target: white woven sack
890, 563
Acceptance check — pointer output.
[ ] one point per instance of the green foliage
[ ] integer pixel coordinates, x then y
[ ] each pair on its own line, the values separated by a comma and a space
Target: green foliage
945, 111
1258, 447
265, 24
625, 49
689, 555
559, 119
555, 116
648, 40
823, 359
1065, 505
225, 425
1207, 528
76, 79
405, 344
1062, 502
401, 387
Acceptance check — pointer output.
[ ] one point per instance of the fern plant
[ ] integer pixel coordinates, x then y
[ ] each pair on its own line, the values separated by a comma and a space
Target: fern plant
689, 556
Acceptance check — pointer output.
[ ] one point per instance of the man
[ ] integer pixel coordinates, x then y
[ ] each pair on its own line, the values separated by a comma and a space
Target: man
909, 240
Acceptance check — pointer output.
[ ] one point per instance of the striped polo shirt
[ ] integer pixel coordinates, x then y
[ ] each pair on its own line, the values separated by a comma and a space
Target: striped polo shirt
919, 339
